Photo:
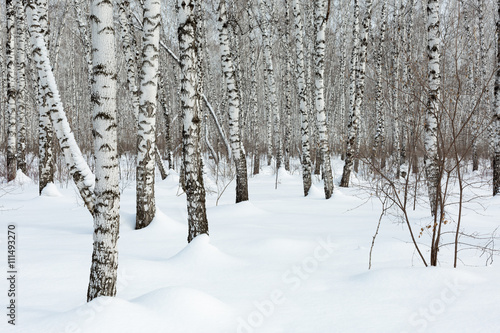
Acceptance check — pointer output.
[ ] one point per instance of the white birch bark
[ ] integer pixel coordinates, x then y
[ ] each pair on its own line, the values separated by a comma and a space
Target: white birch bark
253, 103
302, 94
127, 38
288, 87
319, 60
379, 141
146, 130
353, 125
10, 53
84, 31
485, 100
496, 114
357, 88
431, 120
190, 101
343, 66
104, 265
233, 94
271, 82
78, 168
21, 85
46, 161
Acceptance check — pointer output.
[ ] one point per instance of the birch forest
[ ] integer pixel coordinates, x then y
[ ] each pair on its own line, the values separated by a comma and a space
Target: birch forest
129, 106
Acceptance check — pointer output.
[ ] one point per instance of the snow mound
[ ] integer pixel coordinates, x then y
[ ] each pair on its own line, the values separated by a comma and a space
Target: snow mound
51, 191
188, 310
102, 315
283, 174
201, 254
316, 193
22, 179
164, 223
245, 208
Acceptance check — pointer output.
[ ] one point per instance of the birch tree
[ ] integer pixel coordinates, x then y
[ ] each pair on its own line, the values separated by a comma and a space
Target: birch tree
433, 100
234, 106
21, 85
496, 114
45, 128
78, 168
253, 106
271, 81
10, 54
146, 142
104, 266
379, 141
190, 103
302, 95
319, 58
358, 87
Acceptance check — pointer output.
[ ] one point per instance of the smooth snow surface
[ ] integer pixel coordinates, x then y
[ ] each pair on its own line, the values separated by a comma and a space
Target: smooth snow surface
278, 263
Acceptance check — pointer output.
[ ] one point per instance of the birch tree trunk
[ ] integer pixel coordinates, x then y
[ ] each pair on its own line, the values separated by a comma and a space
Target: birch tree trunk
253, 106
485, 101
352, 127
287, 84
343, 63
271, 83
146, 130
104, 266
78, 168
10, 53
319, 58
234, 106
496, 114
21, 85
45, 129
357, 99
396, 57
379, 141
190, 101
431, 121
302, 94
127, 38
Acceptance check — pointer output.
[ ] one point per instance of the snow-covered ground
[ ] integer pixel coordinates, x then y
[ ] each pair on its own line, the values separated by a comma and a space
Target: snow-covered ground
278, 263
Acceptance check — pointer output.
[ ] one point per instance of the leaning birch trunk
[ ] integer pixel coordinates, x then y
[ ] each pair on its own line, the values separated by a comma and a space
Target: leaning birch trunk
357, 99
21, 85
234, 106
78, 168
302, 94
496, 115
431, 121
379, 141
45, 129
104, 267
146, 122
271, 83
190, 102
319, 57
10, 52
